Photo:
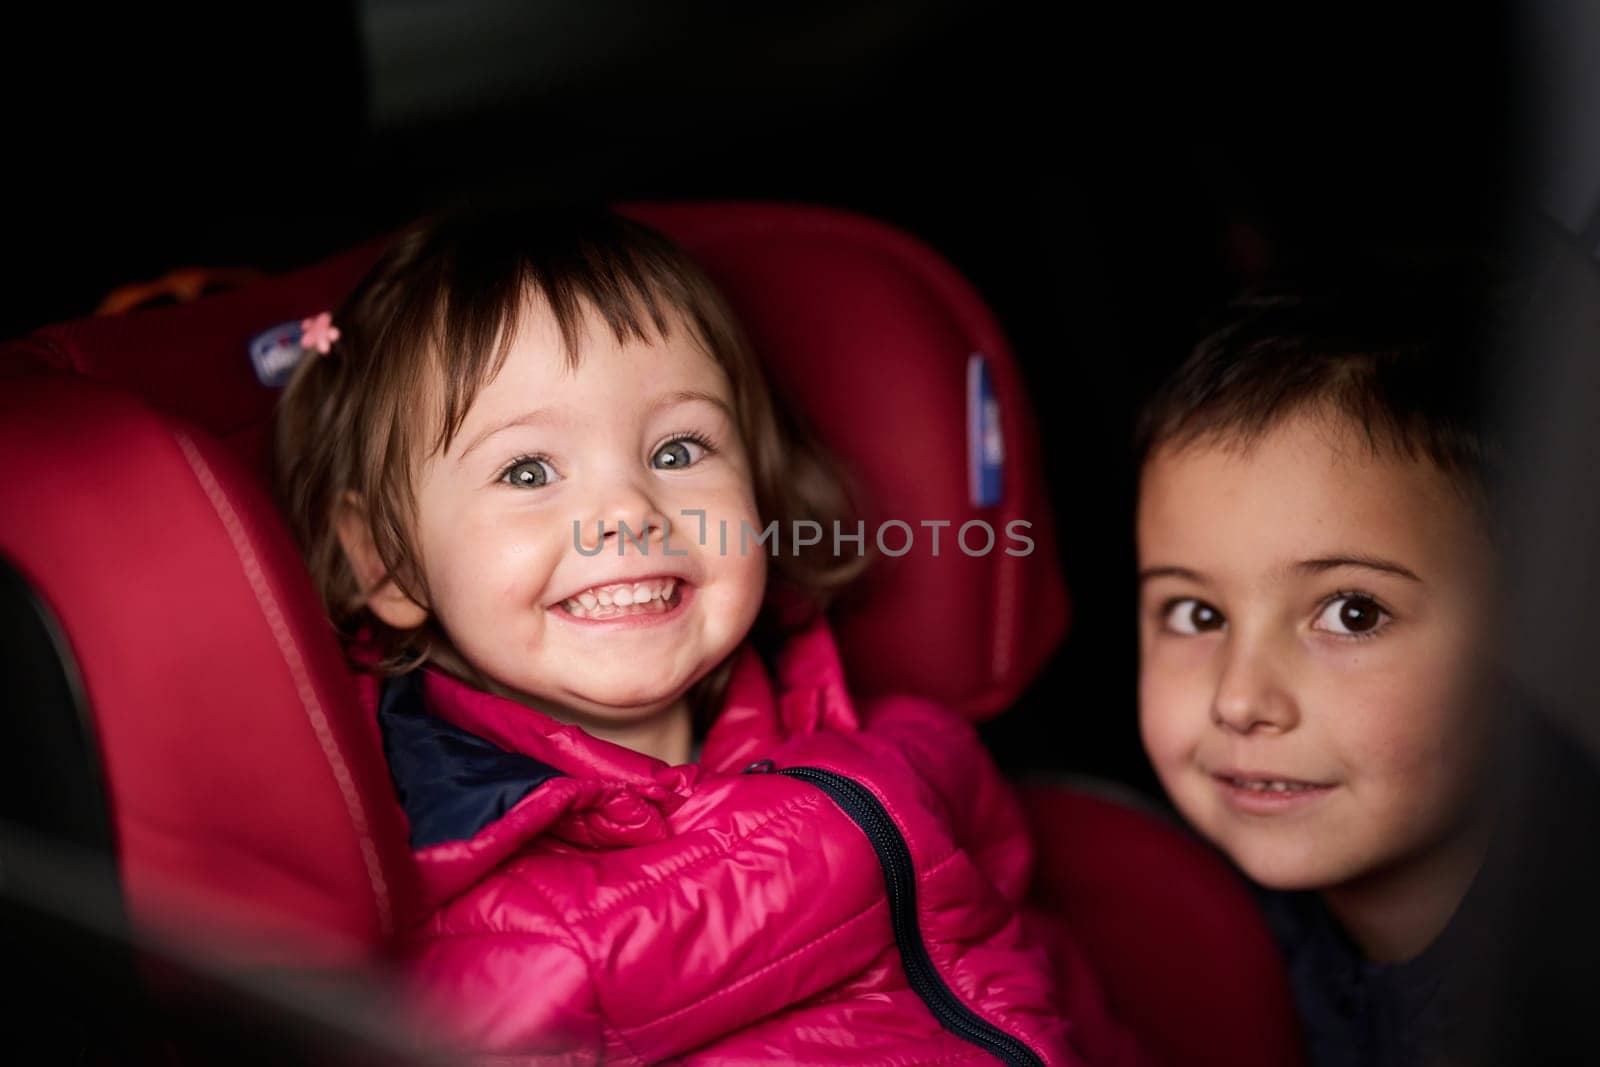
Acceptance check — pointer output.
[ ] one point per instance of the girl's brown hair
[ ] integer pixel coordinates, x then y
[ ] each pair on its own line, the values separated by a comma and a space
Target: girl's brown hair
440, 307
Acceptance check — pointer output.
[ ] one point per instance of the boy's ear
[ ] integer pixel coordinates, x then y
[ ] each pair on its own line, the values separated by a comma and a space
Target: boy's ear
386, 601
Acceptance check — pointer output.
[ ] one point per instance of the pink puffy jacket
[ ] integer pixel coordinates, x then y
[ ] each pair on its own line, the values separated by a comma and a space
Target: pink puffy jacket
828, 885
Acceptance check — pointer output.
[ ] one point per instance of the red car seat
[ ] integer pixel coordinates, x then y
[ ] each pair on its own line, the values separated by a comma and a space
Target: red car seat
247, 798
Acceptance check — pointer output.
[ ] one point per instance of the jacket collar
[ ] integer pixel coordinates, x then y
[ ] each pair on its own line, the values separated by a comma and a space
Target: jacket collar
479, 775
805, 694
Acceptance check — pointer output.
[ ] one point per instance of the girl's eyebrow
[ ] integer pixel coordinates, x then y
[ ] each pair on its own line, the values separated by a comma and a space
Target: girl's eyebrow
526, 419
1328, 563
545, 414
684, 396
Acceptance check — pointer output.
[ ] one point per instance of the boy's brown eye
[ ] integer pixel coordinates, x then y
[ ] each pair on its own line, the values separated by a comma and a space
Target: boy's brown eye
1351, 614
1358, 616
1191, 616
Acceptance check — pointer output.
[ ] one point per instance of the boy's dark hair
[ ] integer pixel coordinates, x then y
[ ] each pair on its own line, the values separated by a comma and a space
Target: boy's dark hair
1403, 355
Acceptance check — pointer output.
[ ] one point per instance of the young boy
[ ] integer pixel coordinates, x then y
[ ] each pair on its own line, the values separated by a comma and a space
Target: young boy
1317, 588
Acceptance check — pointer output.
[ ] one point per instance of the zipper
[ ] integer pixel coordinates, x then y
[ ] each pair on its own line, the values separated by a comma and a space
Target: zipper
895, 857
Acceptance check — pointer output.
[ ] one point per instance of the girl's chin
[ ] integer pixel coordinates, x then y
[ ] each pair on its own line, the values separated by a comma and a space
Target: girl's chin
617, 707
596, 706
621, 714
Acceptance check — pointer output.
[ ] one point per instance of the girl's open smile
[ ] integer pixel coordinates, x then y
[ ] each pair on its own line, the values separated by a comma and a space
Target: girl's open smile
646, 602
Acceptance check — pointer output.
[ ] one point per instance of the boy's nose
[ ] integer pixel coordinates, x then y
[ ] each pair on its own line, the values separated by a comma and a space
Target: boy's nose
1249, 695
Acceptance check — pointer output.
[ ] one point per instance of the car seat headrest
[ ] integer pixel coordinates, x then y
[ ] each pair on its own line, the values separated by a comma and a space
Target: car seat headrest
873, 338
244, 795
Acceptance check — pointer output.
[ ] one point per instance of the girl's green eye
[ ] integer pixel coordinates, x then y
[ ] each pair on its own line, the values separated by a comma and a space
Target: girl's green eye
678, 453
531, 473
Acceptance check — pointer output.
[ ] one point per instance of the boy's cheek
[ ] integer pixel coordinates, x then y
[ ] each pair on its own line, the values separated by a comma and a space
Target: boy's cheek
1172, 713
1180, 669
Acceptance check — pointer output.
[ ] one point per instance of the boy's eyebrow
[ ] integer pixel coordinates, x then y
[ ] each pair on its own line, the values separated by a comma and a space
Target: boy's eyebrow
1150, 573
1328, 563
543, 414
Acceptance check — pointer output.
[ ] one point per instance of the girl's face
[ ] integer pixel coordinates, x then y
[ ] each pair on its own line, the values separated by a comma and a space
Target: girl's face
640, 434
1313, 630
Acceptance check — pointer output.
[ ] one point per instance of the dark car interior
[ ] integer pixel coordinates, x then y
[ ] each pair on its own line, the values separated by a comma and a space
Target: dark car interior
1089, 184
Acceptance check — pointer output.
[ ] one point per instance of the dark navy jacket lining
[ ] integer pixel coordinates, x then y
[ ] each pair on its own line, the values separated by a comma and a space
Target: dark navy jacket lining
451, 783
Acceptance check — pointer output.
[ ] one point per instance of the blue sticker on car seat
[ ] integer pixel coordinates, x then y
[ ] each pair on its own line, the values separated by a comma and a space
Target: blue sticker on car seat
986, 453
275, 353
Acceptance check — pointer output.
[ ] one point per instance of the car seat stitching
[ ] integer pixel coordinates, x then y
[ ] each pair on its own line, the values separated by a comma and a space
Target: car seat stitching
59, 356
1000, 662
290, 651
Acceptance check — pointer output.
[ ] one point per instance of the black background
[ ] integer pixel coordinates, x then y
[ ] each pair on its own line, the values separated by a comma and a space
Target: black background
1104, 177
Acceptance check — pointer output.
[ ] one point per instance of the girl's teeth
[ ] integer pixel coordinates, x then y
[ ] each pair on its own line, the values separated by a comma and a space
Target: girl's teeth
651, 595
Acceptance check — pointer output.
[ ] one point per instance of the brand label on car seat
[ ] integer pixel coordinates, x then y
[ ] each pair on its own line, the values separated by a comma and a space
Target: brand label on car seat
275, 352
986, 451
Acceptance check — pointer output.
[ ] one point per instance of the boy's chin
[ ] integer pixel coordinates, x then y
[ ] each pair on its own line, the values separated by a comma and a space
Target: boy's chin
1282, 868
1285, 880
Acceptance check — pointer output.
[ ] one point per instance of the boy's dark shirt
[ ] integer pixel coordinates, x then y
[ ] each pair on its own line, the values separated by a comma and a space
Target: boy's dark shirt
1485, 990
1354, 1012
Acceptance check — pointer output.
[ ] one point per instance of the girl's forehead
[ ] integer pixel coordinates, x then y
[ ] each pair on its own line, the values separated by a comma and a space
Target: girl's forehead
604, 376
593, 354
608, 382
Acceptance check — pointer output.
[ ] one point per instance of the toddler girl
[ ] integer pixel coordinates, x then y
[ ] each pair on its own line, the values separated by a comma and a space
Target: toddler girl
649, 819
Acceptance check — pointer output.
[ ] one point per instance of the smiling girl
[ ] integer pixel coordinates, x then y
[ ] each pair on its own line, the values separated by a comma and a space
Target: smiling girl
649, 820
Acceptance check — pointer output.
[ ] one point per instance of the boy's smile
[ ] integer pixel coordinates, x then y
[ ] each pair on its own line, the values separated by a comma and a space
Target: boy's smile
1313, 635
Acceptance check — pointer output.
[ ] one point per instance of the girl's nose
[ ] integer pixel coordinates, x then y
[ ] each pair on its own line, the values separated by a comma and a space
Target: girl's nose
626, 521
1250, 693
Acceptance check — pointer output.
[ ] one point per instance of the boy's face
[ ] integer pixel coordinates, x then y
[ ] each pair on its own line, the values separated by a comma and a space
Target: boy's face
1313, 635
619, 440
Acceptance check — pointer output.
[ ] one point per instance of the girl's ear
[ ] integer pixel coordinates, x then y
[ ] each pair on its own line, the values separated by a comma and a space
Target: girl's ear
384, 598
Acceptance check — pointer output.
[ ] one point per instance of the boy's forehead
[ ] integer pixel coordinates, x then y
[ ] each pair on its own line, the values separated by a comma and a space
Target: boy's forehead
1305, 489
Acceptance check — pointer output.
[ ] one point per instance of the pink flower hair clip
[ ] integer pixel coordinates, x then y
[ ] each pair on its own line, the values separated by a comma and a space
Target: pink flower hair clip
319, 333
